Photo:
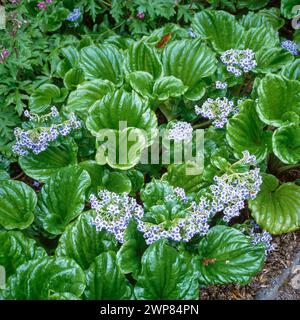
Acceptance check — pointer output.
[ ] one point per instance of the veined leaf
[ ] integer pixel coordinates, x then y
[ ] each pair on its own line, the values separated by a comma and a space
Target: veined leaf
227, 256
63, 198
17, 204
277, 207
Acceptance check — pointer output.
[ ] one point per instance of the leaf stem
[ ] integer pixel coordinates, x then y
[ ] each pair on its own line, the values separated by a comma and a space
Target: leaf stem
202, 125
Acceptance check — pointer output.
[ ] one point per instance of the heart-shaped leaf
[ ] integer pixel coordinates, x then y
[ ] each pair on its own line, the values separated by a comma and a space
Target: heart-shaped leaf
142, 82
277, 207
17, 249
73, 77
39, 279
82, 242
102, 62
277, 96
43, 165
286, 144
87, 94
220, 28
166, 275
227, 256
42, 98
167, 87
62, 198
17, 204
245, 132
190, 61
105, 281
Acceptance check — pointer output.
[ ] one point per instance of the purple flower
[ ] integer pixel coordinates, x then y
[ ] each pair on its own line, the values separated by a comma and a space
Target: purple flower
42, 5
140, 15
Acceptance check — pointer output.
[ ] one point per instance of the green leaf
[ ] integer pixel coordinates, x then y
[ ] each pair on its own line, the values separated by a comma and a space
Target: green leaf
190, 61
286, 144
63, 198
277, 207
267, 17
258, 38
17, 249
105, 281
142, 57
120, 106
252, 4
272, 59
73, 77
166, 275
142, 82
277, 97
38, 279
130, 254
42, 98
40, 167
17, 204
178, 176
4, 175
117, 182
220, 28
292, 70
82, 99
227, 256
82, 242
287, 8
245, 131
102, 62
96, 173
155, 193
167, 87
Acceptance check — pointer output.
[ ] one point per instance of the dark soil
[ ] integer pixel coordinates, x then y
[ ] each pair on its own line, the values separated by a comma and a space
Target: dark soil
286, 248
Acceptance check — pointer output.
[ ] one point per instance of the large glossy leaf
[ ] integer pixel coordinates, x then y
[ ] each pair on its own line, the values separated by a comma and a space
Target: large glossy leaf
17, 204
220, 28
87, 94
257, 38
17, 249
292, 70
73, 77
178, 176
102, 62
105, 281
272, 59
286, 144
277, 207
167, 87
63, 198
43, 97
120, 106
245, 131
43, 165
39, 279
277, 98
189, 61
141, 57
252, 4
227, 256
142, 82
166, 275
82, 242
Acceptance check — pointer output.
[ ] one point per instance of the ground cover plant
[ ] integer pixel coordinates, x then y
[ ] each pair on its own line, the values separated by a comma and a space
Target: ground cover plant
147, 148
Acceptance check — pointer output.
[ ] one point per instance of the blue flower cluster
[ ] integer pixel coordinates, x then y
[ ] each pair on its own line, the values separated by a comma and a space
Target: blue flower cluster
191, 221
239, 61
290, 46
217, 110
38, 139
230, 190
74, 16
180, 131
258, 237
221, 85
114, 212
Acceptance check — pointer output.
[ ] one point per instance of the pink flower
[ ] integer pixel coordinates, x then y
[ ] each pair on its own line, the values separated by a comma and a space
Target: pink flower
49, 1
42, 5
140, 15
5, 53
